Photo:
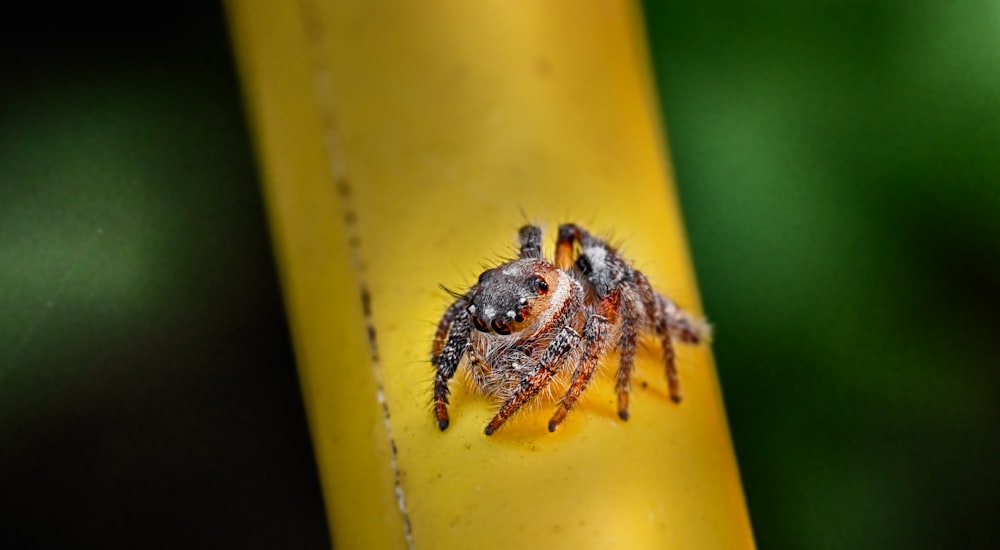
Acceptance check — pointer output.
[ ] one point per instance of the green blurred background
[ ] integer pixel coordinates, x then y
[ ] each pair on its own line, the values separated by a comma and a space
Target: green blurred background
839, 170
839, 166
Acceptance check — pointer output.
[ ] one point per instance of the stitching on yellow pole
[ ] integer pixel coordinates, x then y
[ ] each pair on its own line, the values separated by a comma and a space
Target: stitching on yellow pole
313, 29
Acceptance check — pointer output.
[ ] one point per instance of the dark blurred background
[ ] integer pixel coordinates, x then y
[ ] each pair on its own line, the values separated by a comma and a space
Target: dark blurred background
839, 169
148, 395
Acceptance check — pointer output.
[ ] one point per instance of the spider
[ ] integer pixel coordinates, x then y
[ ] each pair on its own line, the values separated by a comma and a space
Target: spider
525, 320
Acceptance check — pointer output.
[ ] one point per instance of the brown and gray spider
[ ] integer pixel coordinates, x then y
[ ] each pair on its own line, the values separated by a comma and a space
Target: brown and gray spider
526, 319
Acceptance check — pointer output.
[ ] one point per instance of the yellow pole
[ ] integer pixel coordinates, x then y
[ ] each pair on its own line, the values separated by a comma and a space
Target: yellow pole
399, 144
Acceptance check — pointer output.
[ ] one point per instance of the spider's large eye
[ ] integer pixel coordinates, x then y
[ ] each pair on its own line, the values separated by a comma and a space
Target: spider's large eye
583, 263
540, 285
479, 324
500, 328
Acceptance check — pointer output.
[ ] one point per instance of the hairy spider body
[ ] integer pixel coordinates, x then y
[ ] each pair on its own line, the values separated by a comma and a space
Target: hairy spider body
502, 356
526, 319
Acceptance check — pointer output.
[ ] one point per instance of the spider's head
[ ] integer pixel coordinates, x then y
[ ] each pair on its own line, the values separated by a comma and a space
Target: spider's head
507, 297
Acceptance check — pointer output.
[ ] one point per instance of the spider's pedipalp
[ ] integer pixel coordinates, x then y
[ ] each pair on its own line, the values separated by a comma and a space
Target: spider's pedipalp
564, 342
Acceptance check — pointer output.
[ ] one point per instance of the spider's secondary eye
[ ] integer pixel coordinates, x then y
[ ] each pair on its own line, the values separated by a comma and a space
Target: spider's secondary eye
583, 263
541, 285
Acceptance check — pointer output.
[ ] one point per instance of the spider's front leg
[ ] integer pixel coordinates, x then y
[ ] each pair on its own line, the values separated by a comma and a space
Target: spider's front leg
565, 341
445, 356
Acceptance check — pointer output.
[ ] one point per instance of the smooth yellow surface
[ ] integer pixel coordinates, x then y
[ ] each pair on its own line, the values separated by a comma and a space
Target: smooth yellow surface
446, 120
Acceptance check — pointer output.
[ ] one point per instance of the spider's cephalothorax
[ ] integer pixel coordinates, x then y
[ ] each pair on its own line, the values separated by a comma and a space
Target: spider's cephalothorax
525, 320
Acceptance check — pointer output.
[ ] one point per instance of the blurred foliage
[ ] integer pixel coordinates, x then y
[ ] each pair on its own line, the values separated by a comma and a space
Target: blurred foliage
839, 170
148, 396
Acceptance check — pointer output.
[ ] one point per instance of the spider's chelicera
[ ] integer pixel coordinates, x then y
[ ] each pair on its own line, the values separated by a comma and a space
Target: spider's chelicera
525, 320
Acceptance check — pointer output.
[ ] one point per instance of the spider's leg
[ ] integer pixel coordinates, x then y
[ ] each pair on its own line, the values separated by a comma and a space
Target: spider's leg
626, 348
569, 234
658, 311
530, 237
448, 319
446, 364
446, 355
670, 361
564, 342
662, 326
595, 334
681, 324
674, 322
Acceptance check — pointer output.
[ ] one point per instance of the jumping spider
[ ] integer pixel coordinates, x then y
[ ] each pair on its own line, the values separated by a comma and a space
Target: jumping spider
525, 319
